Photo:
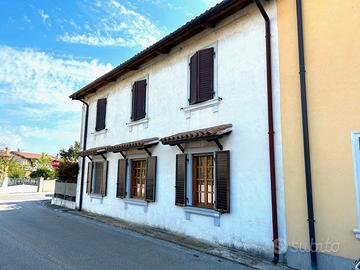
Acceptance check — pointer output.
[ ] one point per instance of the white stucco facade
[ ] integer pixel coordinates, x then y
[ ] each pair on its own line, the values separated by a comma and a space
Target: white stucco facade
241, 100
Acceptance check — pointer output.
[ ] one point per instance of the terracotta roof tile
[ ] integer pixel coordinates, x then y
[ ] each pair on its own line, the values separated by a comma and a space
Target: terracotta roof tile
94, 151
28, 155
210, 133
140, 144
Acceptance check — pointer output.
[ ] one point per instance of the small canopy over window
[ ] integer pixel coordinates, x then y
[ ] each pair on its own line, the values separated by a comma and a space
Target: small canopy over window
205, 134
94, 151
144, 144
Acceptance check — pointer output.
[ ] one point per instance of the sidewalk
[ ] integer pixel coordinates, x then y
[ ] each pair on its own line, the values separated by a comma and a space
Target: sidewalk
215, 250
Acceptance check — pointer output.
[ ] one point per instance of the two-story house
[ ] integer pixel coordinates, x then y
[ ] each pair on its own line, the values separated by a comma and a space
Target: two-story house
186, 136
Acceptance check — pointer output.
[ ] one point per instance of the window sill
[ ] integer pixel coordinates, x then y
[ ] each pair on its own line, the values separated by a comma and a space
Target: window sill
357, 233
136, 202
203, 212
213, 103
96, 197
100, 132
144, 122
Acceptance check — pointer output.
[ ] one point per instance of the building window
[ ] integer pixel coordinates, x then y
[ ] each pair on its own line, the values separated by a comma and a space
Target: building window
356, 157
138, 178
202, 76
100, 114
97, 178
138, 100
210, 181
203, 181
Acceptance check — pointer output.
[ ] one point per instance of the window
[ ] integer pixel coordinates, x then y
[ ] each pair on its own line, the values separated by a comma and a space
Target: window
138, 100
210, 178
100, 114
203, 181
356, 158
97, 178
202, 76
138, 178
142, 179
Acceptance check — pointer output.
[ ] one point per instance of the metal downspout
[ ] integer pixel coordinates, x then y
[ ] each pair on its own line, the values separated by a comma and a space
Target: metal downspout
276, 246
307, 160
83, 158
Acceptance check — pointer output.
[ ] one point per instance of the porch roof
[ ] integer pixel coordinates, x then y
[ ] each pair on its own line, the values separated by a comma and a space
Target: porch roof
205, 134
138, 145
94, 151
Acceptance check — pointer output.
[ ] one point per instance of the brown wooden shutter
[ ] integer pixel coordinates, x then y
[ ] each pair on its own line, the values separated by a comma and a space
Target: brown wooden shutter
181, 177
150, 186
100, 114
222, 159
104, 178
193, 78
206, 75
89, 177
133, 98
121, 179
138, 100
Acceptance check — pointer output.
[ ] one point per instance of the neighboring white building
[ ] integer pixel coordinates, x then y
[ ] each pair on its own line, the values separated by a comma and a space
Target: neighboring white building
211, 73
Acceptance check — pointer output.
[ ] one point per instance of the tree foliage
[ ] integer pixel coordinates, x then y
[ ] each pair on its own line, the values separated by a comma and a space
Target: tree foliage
68, 171
71, 154
43, 162
43, 172
16, 170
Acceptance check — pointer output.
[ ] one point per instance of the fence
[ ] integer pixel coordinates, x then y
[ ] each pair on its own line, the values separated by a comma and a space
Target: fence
23, 181
66, 191
27, 185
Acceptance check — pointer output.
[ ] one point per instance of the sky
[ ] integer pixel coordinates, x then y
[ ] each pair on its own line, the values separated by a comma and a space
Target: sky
51, 48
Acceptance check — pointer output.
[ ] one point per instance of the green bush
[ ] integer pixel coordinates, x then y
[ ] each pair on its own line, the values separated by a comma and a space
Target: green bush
16, 170
43, 172
68, 171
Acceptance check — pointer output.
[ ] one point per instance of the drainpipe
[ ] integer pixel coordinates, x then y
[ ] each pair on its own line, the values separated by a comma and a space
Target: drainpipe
276, 246
83, 158
309, 194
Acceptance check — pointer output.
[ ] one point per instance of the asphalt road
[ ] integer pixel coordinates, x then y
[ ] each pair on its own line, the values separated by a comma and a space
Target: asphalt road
33, 236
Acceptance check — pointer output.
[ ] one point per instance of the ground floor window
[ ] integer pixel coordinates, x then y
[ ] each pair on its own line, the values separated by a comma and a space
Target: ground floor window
203, 180
97, 177
206, 184
138, 178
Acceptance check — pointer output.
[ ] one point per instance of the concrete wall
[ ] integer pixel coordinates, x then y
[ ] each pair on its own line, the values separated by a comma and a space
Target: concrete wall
241, 83
47, 186
331, 35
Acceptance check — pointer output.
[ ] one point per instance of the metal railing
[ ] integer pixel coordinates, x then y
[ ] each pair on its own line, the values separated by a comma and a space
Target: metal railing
23, 181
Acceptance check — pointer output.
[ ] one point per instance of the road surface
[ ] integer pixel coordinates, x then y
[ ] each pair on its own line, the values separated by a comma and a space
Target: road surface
34, 236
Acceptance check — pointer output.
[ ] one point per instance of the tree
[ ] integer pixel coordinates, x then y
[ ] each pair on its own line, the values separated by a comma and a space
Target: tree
16, 170
43, 162
71, 154
43, 172
68, 171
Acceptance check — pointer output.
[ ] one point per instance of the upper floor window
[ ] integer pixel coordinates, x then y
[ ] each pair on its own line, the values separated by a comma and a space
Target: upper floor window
202, 76
138, 100
100, 114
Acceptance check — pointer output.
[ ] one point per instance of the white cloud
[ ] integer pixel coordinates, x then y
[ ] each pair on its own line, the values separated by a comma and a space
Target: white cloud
45, 17
38, 78
10, 139
36, 112
110, 23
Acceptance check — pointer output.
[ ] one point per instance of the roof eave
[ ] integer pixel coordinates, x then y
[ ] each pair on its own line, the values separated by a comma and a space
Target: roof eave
204, 21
